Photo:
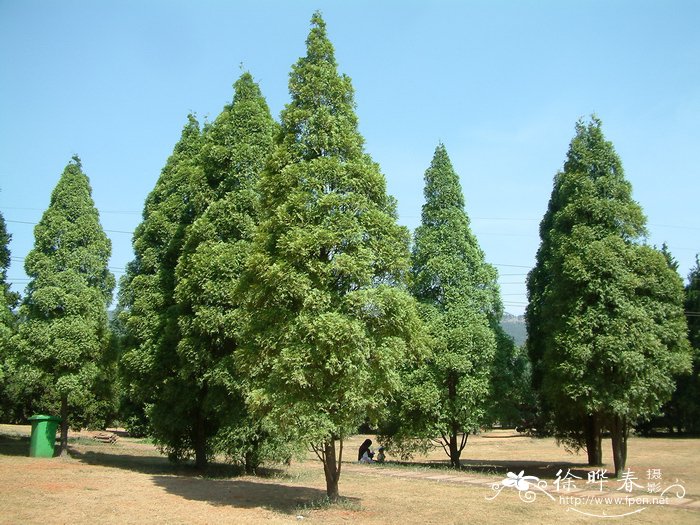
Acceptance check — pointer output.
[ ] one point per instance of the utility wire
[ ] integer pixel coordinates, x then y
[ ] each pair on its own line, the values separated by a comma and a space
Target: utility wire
125, 212
34, 224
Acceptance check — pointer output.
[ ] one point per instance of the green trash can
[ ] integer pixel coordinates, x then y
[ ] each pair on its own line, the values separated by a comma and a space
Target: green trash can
43, 438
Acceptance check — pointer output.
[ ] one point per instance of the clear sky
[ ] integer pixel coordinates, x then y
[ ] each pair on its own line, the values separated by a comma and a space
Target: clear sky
500, 83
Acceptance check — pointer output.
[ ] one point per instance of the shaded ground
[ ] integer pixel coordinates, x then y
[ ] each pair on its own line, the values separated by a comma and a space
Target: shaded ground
130, 482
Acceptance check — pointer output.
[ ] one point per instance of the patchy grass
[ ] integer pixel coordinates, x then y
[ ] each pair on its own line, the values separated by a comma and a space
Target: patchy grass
325, 503
130, 482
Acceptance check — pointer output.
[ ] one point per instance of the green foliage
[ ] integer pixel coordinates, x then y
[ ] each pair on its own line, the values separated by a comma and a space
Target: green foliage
179, 310
327, 320
687, 395
63, 341
236, 148
511, 399
447, 393
682, 412
148, 312
8, 299
692, 304
8, 326
605, 321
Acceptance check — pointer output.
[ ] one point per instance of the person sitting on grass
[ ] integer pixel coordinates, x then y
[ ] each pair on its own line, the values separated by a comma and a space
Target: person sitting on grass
381, 457
364, 455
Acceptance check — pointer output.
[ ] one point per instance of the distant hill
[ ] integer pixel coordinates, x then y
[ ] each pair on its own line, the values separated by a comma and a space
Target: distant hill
514, 326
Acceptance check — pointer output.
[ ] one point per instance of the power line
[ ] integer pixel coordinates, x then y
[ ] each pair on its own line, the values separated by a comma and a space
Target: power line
34, 224
20, 259
125, 212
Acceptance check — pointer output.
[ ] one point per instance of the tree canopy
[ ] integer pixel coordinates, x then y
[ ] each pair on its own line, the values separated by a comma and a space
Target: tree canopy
235, 150
64, 336
606, 331
446, 394
149, 314
8, 324
327, 318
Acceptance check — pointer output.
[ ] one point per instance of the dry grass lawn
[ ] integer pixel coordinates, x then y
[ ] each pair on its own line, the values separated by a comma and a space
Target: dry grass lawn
130, 482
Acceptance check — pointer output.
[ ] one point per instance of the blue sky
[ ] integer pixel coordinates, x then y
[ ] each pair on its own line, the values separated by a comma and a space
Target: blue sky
500, 83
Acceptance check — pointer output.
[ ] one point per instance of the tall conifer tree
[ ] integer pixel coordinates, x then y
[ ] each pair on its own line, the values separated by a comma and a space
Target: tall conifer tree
8, 299
688, 392
150, 365
8, 302
683, 410
236, 149
328, 321
64, 331
606, 331
447, 394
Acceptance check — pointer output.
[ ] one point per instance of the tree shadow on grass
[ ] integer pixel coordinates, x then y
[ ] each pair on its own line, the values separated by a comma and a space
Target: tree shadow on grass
242, 493
152, 464
14, 445
220, 484
541, 469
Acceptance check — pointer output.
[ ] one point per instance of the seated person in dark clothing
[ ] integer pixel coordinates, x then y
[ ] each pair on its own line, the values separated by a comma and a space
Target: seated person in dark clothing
364, 455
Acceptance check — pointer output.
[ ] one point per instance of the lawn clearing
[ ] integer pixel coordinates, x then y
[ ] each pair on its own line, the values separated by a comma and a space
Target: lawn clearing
130, 482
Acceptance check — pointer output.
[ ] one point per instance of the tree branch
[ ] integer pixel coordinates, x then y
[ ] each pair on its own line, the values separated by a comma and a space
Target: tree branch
340, 457
320, 455
463, 444
444, 443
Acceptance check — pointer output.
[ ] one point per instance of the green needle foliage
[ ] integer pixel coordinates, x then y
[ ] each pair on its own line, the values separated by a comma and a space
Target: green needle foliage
682, 412
688, 392
692, 304
606, 330
149, 314
235, 151
8, 299
8, 326
447, 394
328, 322
63, 338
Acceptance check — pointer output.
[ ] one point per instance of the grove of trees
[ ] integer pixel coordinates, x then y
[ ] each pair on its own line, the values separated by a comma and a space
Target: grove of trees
274, 303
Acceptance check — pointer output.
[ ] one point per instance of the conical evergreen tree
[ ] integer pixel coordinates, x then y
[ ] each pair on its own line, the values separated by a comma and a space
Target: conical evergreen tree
687, 395
8, 299
692, 304
8, 325
64, 332
682, 412
328, 321
447, 394
605, 321
236, 149
149, 313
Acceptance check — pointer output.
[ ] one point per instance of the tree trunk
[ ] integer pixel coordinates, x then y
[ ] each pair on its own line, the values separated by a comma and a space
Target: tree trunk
252, 458
200, 444
619, 432
454, 451
331, 467
456, 445
64, 426
594, 440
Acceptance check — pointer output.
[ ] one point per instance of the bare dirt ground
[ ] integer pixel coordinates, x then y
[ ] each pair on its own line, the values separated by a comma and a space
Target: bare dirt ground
130, 482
